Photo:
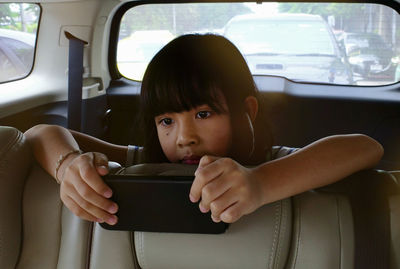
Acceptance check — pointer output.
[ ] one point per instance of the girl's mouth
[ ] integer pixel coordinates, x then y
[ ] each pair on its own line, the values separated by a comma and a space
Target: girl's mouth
191, 160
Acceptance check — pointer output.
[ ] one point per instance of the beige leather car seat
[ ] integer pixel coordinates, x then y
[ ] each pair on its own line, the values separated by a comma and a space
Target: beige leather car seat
15, 161
310, 230
36, 231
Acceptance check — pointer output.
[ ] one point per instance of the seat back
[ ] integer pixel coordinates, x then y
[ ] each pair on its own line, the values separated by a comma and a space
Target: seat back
36, 231
15, 162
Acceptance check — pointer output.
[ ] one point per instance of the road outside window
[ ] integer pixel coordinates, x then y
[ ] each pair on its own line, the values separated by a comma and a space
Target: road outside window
334, 43
18, 28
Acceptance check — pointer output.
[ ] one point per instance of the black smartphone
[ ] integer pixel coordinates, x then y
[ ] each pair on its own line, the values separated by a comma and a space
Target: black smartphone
158, 204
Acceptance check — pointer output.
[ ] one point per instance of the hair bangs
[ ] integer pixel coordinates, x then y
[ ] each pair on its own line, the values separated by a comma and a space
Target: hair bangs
183, 87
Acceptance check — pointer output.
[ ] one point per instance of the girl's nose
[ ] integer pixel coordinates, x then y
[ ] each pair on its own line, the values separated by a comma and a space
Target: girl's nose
187, 135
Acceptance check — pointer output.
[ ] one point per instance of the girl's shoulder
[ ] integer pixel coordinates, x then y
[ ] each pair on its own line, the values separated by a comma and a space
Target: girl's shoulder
277, 152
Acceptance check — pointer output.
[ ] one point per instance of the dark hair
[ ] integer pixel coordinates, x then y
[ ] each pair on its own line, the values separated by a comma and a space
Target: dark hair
193, 70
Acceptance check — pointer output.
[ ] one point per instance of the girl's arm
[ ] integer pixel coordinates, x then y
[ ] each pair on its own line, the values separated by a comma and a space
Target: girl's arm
50, 141
82, 190
318, 164
230, 190
89, 143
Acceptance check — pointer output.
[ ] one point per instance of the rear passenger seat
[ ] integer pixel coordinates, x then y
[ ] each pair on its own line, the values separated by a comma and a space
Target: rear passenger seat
310, 230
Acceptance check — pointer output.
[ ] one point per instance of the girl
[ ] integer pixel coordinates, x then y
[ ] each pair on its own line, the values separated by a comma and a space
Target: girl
200, 106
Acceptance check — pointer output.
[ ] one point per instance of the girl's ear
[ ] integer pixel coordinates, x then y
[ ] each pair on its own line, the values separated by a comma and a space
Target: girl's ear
251, 106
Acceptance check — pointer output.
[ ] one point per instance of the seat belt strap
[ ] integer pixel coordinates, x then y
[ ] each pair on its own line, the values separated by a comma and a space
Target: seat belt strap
75, 81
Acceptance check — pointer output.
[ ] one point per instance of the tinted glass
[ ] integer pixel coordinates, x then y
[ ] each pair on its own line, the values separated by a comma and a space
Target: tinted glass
336, 43
18, 28
278, 36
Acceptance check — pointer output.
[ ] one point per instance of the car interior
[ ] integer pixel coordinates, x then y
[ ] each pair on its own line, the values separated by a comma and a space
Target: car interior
84, 69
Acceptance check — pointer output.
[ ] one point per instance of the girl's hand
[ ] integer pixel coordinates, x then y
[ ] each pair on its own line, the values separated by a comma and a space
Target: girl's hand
226, 188
84, 192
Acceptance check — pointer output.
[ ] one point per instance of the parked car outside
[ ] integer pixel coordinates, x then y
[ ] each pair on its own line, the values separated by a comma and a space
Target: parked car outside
300, 47
369, 55
16, 54
135, 52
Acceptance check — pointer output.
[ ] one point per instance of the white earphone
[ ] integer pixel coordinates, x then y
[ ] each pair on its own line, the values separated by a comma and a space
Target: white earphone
252, 134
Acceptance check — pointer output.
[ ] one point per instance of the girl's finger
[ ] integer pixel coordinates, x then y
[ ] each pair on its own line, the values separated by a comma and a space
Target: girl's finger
102, 170
101, 163
205, 160
203, 176
91, 196
225, 201
89, 174
100, 159
215, 219
213, 190
233, 213
77, 210
91, 209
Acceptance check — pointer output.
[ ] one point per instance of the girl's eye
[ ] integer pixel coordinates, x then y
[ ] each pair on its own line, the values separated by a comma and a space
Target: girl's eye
166, 121
203, 114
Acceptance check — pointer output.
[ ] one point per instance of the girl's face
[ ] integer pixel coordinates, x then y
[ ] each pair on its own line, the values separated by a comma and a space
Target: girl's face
188, 135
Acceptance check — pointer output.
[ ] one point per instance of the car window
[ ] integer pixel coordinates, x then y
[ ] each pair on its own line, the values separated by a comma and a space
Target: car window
18, 29
264, 35
303, 42
7, 69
